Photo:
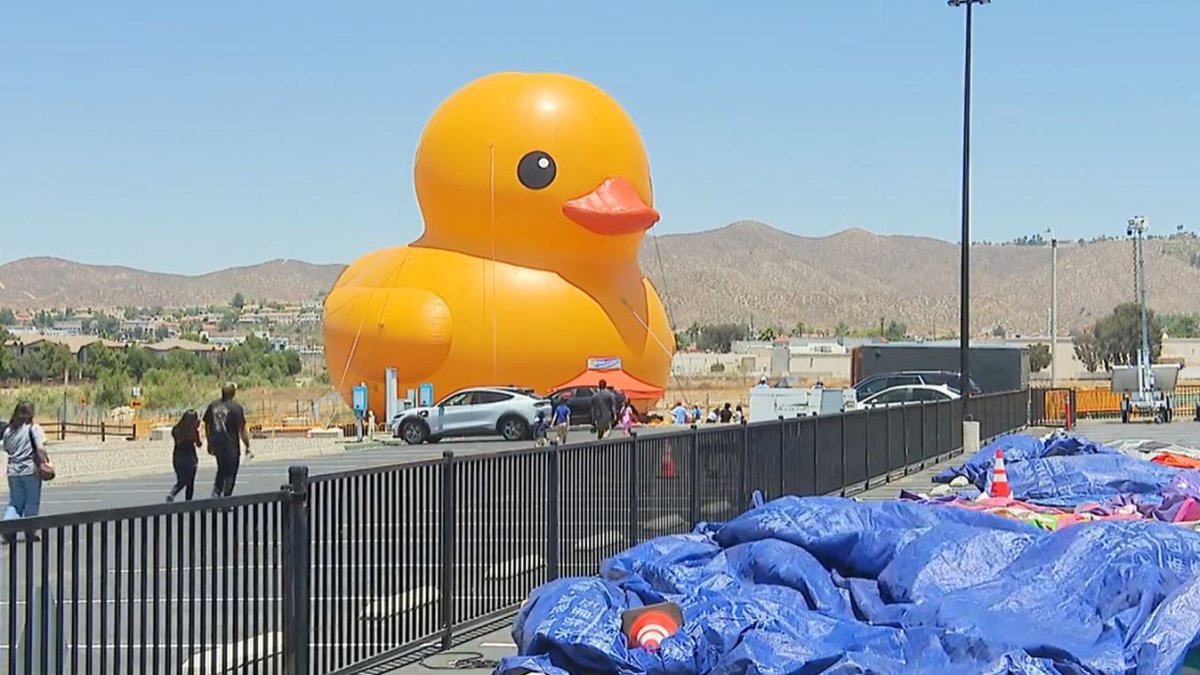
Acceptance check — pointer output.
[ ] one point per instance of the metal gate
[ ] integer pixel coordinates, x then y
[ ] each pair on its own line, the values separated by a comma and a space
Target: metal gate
1050, 407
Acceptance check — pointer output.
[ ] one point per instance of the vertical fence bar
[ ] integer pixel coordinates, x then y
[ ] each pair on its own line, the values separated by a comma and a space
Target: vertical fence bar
634, 483
449, 515
842, 422
782, 456
744, 464
693, 477
553, 531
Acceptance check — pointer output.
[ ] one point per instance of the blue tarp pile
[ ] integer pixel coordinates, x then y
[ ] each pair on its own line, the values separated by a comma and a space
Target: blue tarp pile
1065, 471
829, 585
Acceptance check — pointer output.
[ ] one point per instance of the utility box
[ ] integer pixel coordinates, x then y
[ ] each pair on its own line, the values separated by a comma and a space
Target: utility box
768, 403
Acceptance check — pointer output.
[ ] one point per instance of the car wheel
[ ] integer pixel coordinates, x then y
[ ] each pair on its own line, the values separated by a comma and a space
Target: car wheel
514, 429
414, 432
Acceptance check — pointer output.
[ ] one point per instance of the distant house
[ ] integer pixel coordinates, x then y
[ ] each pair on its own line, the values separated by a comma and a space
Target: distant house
206, 350
79, 345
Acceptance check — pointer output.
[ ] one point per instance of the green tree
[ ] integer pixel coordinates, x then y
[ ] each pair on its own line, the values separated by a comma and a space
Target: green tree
131, 313
1039, 357
1119, 335
682, 341
767, 334
799, 329
895, 331
7, 317
238, 302
717, 367
161, 333
1087, 349
138, 360
720, 337
841, 329
1182, 325
1000, 332
6, 356
112, 389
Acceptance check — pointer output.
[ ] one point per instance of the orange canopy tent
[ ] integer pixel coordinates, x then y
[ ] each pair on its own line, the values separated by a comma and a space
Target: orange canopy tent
618, 379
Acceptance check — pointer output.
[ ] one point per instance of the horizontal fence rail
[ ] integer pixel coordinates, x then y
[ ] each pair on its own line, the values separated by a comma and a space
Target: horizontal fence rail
339, 573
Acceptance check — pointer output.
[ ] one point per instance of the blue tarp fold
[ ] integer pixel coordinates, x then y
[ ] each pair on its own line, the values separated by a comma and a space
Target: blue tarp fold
829, 585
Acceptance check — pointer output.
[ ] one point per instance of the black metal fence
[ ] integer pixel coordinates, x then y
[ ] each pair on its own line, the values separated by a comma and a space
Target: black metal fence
336, 573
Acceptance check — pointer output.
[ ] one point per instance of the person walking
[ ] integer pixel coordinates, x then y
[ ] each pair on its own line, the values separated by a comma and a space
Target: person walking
561, 421
604, 411
28, 465
225, 427
627, 417
186, 434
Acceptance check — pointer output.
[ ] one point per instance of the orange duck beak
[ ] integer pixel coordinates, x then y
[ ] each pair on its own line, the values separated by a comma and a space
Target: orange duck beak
614, 208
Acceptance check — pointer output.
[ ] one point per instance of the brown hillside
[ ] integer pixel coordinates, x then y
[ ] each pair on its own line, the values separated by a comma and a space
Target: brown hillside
751, 270
744, 271
37, 283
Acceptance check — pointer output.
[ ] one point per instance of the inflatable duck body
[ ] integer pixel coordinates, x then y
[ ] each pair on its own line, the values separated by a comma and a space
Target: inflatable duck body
536, 195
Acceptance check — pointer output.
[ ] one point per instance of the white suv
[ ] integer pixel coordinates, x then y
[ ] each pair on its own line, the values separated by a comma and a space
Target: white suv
479, 411
912, 393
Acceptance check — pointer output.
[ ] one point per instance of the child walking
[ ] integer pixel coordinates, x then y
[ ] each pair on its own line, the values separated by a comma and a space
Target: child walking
627, 417
186, 434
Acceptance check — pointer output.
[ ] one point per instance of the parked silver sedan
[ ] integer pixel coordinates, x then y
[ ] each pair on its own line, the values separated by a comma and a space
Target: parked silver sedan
508, 412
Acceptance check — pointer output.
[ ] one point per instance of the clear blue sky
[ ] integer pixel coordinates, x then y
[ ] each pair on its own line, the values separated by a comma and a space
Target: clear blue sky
150, 134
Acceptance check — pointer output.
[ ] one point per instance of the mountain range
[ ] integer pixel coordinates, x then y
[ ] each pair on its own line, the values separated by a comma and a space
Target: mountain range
744, 272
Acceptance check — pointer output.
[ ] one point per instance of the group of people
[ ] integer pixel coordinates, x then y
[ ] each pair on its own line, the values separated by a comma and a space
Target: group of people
224, 423
28, 465
681, 414
608, 408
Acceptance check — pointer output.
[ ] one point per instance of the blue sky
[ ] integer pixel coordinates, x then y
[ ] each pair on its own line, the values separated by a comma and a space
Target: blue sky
193, 136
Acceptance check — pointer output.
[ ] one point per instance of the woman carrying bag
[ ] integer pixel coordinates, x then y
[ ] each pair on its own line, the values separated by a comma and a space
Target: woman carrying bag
28, 464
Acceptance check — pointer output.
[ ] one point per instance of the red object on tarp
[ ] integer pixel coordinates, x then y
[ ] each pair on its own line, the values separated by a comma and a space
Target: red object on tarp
1177, 461
633, 388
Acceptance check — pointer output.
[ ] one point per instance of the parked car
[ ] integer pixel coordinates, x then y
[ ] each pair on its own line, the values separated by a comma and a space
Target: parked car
479, 411
579, 401
911, 393
876, 383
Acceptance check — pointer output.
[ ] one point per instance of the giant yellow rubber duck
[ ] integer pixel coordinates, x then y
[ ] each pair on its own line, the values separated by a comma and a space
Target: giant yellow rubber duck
535, 192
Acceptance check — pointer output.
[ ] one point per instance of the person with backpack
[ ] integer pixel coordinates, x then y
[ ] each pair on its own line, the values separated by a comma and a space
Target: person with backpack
225, 429
186, 434
28, 464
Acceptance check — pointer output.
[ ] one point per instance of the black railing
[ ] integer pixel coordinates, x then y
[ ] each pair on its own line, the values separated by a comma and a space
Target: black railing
337, 573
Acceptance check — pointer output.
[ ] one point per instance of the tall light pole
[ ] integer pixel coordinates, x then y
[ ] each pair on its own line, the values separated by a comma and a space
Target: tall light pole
1053, 307
1136, 228
964, 311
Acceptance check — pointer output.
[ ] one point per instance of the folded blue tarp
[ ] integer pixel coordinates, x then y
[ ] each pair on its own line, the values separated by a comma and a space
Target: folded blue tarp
1020, 448
829, 585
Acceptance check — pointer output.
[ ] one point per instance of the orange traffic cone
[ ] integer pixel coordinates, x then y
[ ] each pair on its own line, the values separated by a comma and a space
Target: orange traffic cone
1000, 477
666, 463
648, 626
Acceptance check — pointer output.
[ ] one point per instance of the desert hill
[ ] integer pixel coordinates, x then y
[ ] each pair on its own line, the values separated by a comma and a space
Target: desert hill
746, 271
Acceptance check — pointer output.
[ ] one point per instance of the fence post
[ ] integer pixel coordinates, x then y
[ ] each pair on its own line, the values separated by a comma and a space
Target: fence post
634, 480
842, 422
694, 476
62, 430
552, 526
449, 518
101, 431
296, 572
816, 463
904, 427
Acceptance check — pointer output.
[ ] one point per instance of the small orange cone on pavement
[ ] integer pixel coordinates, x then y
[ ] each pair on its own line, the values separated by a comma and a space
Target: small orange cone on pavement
1000, 477
648, 626
666, 463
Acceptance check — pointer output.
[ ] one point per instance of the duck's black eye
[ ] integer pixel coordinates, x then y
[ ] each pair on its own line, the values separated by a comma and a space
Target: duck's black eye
536, 170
